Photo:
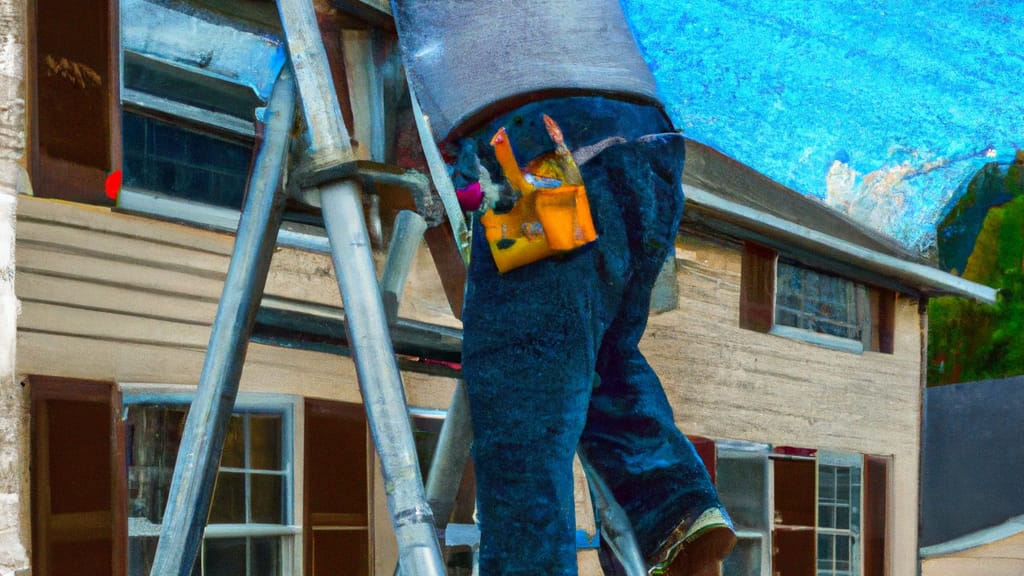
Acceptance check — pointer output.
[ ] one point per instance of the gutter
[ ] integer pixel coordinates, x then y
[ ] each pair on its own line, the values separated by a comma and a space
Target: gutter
931, 281
1011, 527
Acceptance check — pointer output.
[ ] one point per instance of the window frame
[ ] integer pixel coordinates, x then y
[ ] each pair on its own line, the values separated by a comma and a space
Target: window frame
758, 301
288, 532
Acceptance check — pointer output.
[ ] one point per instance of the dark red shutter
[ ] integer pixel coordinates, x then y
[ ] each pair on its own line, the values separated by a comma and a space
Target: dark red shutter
876, 501
793, 532
706, 450
76, 109
757, 288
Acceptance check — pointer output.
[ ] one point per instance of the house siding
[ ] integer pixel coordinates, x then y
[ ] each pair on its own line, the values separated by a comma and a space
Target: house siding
108, 296
731, 383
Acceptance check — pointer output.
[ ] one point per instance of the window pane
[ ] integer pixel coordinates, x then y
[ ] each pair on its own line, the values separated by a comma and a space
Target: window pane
140, 555
234, 444
843, 485
741, 486
842, 552
826, 551
267, 499
826, 484
842, 518
224, 556
266, 556
745, 559
426, 431
826, 516
153, 434
166, 158
228, 499
265, 436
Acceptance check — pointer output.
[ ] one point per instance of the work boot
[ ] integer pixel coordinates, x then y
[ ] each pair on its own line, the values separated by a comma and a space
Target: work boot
705, 545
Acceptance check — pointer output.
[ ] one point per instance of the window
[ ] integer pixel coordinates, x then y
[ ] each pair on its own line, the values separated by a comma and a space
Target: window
839, 516
188, 113
249, 530
743, 484
818, 302
781, 296
802, 512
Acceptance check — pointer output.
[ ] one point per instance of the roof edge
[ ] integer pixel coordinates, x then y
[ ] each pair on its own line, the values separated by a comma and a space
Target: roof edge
928, 279
1011, 527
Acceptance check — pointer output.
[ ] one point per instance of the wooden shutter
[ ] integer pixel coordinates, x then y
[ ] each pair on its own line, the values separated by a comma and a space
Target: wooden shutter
79, 519
706, 450
336, 523
793, 533
876, 502
75, 91
757, 288
883, 320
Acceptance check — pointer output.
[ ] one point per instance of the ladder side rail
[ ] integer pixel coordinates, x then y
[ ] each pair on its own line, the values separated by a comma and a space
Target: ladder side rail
376, 368
450, 457
202, 442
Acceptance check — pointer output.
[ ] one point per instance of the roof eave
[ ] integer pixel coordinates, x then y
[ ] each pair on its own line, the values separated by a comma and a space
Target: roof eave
925, 279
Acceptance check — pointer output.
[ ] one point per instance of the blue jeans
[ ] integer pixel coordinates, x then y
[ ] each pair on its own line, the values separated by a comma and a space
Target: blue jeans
550, 354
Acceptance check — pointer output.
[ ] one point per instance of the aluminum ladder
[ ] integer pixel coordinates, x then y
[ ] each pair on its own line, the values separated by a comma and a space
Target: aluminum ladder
329, 178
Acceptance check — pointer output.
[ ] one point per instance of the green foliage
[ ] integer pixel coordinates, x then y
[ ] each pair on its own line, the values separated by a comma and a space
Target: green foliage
969, 341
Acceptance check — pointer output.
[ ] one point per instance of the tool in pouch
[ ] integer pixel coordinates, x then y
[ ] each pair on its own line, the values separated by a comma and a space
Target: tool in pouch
552, 215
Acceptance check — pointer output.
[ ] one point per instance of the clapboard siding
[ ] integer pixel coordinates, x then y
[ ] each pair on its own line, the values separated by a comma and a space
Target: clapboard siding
110, 296
728, 382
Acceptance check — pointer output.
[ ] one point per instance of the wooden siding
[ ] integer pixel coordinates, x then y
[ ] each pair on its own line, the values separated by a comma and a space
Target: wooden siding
731, 383
108, 296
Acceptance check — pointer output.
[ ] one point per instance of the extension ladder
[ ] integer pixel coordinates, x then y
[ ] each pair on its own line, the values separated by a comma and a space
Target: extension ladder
331, 179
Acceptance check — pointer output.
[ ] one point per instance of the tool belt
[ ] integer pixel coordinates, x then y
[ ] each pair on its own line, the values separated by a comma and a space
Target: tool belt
552, 215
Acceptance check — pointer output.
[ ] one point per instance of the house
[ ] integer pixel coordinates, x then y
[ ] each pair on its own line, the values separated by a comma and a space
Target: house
972, 513
790, 340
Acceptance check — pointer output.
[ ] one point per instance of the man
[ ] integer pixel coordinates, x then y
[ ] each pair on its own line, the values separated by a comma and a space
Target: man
550, 353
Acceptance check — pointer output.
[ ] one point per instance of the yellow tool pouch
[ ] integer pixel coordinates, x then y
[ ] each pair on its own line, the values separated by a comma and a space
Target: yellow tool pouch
544, 221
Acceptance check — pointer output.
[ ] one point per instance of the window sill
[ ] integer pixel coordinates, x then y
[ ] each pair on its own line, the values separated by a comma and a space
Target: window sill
818, 339
156, 205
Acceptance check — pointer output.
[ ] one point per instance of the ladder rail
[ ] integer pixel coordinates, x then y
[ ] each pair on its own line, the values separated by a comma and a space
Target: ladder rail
202, 442
376, 367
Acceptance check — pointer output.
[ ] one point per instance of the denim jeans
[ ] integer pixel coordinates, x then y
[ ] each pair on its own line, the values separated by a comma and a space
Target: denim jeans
551, 358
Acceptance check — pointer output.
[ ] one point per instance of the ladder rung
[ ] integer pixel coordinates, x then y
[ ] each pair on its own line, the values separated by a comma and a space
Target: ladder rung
322, 328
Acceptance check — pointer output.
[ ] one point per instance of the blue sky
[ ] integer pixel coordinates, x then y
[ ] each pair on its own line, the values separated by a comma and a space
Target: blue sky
880, 109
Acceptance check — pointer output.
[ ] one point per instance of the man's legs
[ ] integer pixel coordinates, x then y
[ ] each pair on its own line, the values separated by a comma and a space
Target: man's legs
532, 340
630, 437
527, 353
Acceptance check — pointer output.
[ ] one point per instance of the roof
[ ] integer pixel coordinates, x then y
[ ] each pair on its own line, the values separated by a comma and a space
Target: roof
733, 199
972, 463
729, 179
